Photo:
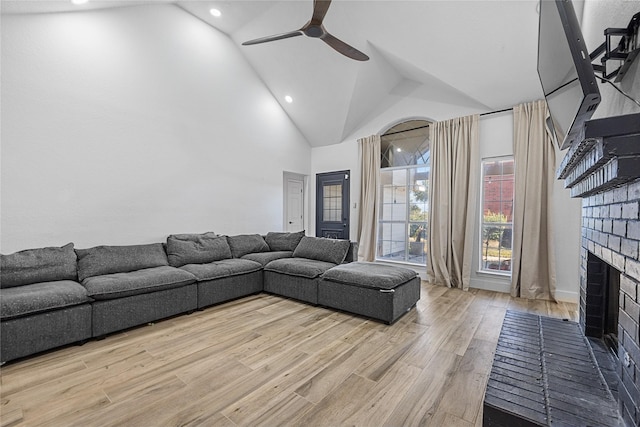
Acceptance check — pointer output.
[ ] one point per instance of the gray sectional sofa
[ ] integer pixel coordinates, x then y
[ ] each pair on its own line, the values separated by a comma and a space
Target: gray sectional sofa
42, 305
55, 296
298, 277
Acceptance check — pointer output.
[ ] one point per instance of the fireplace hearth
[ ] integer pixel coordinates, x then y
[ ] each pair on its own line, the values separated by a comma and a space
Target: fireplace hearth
546, 373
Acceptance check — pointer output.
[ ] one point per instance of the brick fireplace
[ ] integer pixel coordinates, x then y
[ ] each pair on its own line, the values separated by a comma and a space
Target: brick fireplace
611, 233
604, 170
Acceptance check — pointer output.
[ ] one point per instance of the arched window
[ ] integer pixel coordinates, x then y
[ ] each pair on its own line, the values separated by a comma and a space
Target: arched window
404, 192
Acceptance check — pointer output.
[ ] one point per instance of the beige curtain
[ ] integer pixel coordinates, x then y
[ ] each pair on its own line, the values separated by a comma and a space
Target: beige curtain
533, 274
369, 155
452, 201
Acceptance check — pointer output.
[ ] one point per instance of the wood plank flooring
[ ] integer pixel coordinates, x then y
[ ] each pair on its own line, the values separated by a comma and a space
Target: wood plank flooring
269, 361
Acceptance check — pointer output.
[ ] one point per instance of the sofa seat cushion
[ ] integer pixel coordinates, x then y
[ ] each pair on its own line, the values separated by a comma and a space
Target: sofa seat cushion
102, 260
302, 267
322, 249
118, 285
50, 264
40, 297
370, 275
223, 268
265, 258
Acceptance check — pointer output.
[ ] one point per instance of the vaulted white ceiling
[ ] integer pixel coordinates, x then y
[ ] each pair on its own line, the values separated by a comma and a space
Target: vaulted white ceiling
478, 54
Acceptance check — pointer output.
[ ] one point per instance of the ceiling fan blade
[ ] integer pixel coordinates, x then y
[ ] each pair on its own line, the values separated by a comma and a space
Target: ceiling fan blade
344, 48
320, 8
274, 37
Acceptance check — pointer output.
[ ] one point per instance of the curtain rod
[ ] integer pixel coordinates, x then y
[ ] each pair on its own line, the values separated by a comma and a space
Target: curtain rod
406, 130
497, 111
426, 126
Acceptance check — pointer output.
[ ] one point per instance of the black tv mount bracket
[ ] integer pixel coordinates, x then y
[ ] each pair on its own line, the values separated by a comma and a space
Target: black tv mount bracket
626, 51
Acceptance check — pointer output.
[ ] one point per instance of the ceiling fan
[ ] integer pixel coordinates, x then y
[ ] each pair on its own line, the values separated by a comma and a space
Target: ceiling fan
315, 29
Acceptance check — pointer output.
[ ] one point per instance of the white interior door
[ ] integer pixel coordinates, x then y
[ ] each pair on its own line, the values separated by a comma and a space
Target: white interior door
294, 205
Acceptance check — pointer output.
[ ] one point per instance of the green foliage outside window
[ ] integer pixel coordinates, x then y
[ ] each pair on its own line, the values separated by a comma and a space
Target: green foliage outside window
494, 233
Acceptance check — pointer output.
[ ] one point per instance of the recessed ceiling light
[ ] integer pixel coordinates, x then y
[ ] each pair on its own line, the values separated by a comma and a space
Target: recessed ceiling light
215, 12
398, 149
79, 2
289, 99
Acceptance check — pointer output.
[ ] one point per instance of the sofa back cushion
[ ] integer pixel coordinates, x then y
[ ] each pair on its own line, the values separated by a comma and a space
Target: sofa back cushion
194, 236
243, 244
183, 249
119, 259
38, 265
283, 241
322, 249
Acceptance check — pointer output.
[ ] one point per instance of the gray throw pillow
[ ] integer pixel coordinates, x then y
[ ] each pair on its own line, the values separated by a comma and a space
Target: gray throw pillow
183, 249
283, 241
322, 249
243, 244
119, 259
38, 265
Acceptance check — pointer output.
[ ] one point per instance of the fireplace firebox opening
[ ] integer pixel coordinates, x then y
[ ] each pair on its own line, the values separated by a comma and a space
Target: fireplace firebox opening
602, 302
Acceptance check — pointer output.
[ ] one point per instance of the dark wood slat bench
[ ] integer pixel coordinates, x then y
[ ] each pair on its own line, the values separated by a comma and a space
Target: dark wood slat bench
544, 374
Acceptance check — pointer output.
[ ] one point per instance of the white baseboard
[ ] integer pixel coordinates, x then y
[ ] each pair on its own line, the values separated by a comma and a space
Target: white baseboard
567, 296
505, 287
491, 283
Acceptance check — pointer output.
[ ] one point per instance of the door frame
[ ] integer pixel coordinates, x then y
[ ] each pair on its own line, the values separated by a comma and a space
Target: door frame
286, 176
346, 188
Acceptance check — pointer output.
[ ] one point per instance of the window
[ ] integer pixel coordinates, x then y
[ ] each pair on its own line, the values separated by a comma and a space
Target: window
404, 193
332, 203
497, 215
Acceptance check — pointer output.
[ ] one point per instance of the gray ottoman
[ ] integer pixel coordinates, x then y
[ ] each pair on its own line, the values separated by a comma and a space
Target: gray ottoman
378, 291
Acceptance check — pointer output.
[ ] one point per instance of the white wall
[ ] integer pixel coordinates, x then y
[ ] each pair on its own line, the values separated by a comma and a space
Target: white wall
331, 158
597, 16
122, 126
567, 217
496, 139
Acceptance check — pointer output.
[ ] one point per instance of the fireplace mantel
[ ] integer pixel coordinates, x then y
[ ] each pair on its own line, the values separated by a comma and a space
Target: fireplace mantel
607, 156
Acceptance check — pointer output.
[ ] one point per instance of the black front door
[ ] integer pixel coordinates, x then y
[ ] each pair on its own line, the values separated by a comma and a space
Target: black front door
332, 205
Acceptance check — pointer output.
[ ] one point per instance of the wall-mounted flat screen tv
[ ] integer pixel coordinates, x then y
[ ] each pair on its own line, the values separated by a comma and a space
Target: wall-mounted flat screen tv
565, 71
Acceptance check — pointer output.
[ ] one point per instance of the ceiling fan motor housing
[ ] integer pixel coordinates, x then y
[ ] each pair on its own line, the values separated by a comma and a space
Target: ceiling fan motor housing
313, 31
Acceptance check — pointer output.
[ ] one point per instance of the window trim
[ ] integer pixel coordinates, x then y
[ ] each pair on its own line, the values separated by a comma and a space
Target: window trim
481, 270
407, 220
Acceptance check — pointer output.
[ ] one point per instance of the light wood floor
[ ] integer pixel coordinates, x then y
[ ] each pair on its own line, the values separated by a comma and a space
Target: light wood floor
265, 360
